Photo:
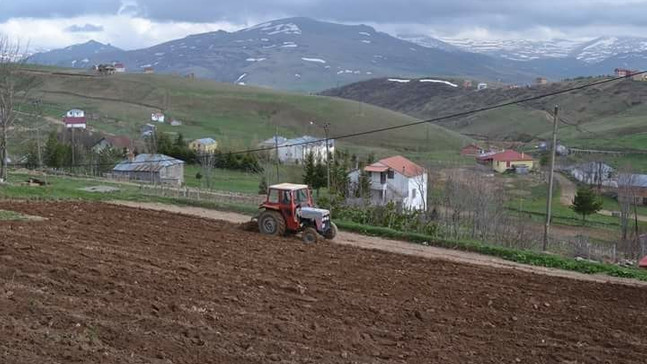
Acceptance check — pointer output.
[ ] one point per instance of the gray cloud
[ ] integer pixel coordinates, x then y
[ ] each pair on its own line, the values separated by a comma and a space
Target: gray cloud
443, 15
87, 28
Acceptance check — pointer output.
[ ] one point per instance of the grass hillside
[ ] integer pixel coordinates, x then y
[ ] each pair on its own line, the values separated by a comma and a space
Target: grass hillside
609, 116
237, 116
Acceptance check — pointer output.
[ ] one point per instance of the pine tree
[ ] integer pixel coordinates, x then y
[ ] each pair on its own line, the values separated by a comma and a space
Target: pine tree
586, 202
309, 170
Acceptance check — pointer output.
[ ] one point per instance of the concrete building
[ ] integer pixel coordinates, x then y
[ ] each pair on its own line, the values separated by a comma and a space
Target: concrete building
295, 150
75, 119
399, 180
204, 145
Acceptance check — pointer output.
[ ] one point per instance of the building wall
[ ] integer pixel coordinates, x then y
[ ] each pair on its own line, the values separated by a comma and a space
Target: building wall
400, 189
419, 185
503, 166
204, 148
298, 153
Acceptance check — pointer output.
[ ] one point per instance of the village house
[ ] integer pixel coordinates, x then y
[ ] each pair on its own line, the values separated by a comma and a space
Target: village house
204, 146
272, 142
396, 179
120, 142
638, 184
297, 149
157, 117
150, 168
623, 72
508, 160
149, 70
472, 150
594, 173
75, 119
120, 68
541, 81
481, 86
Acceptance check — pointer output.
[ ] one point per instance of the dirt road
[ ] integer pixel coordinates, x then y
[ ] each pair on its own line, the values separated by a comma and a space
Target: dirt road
394, 246
568, 194
100, 283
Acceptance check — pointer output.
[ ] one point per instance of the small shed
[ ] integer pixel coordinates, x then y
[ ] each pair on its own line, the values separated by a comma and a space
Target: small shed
150, 168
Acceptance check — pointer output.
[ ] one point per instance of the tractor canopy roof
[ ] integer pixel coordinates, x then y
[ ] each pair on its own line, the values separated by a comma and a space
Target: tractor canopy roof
288, 186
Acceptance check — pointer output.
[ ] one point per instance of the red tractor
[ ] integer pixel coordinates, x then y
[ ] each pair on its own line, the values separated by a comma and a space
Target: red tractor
289, 209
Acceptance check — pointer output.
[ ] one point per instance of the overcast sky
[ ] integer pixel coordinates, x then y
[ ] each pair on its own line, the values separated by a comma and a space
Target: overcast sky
133, 24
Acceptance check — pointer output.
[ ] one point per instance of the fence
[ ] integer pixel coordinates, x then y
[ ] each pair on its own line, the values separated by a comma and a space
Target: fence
197, 194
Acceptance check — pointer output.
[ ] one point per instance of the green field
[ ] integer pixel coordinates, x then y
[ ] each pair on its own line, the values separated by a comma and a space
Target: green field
238, 117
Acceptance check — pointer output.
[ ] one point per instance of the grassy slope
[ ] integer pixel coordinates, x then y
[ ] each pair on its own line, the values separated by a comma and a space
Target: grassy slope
237, 116
610, 116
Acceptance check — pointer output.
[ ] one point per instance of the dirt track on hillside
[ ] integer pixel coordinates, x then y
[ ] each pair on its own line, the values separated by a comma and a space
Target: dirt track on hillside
99, 283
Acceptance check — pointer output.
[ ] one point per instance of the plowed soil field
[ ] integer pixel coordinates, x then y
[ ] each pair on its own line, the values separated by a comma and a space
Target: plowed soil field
100, 283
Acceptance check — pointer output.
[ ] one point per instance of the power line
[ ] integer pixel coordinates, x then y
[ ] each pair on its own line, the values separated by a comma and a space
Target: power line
407, 125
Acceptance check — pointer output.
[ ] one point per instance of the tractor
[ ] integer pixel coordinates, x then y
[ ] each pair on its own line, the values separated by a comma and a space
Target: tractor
288, 209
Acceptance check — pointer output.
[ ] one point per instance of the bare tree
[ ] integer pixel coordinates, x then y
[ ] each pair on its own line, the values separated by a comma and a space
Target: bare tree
207, 163
14, 87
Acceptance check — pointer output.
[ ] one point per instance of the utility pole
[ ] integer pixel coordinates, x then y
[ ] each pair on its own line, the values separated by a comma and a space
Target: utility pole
276, 145
40, 155
549, 200
326, 127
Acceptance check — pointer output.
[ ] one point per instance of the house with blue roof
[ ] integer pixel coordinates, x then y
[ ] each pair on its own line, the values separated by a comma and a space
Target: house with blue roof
204, 145
150, 168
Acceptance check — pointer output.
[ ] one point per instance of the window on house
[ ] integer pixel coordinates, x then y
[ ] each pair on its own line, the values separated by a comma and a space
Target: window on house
413, 193
390, 174
382, 177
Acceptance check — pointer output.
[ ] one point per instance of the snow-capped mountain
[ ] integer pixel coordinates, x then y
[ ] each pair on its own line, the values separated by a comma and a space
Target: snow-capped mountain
429, 42
517, 50
588, 51
296, 54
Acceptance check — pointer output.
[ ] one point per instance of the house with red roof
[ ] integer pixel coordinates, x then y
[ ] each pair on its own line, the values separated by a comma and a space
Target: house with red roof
471, 150
120, 67
75, 118
507, 160
397, 179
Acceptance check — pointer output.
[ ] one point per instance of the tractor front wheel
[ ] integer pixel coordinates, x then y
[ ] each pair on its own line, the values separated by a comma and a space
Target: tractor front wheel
310, 235
271, 223
332, 232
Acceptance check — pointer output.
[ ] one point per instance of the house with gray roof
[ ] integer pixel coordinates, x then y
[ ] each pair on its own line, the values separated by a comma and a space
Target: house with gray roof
150, 168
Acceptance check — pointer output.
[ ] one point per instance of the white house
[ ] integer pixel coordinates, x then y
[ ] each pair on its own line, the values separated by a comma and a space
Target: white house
157, 117
481, 86
295, 150
120, 67
75, 118
594, 173
397, 179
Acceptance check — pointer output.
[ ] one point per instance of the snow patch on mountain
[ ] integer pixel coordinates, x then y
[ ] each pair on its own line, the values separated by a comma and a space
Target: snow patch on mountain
239, 79
316, 60
255, 59
398, 80
365, 34
438, 81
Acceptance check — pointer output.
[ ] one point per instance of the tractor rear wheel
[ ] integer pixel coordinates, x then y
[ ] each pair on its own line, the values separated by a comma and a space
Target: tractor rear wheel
310, 235
271, 223
332, 232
